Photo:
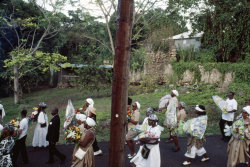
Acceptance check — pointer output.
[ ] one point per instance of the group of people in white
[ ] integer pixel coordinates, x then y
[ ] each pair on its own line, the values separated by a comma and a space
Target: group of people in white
46, 134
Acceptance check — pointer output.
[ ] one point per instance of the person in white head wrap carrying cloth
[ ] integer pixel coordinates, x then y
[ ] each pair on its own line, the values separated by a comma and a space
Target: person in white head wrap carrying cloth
238, 146
171, 118
40, 132
153, 158
86, 142
132, 122
195, 130
91, 113
2, 114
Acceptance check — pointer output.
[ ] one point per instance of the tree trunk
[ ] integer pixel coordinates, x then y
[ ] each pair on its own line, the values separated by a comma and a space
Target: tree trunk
120, 83
16, 85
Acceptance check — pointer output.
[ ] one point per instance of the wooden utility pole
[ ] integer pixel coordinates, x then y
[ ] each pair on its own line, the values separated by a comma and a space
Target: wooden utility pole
120, 82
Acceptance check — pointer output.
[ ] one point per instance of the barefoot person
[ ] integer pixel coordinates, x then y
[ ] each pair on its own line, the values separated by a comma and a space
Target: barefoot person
87, 140
53, 137
132, 122
7, 142
39, 139
91, 113
20, 145
194, 145
238, 148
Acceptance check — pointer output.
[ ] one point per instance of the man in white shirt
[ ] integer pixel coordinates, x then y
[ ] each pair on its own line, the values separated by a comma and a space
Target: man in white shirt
227, 118
20, 145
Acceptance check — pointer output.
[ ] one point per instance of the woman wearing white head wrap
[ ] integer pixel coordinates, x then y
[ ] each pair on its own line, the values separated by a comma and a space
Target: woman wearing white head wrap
2, 113
154, 157
86, 143
91, 113
81, 117
171, 118
237, 149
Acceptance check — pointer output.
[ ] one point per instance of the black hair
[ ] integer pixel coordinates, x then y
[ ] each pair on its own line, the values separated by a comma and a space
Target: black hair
231, 93
56, 109
24, 112
129, 101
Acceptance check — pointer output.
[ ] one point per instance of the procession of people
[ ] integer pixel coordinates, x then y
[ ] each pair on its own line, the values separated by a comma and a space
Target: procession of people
79, 128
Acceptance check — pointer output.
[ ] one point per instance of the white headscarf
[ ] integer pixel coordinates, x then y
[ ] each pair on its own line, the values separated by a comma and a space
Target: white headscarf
3, 112
175, 92
198, 108
90, 122
81, 117
90, 101
138, 105
247, 109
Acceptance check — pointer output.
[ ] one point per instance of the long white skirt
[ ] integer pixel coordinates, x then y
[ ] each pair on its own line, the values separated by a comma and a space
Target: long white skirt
39, 139
153, 160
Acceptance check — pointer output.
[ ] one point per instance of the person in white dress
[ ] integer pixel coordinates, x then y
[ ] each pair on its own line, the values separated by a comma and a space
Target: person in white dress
39, 139
154, 156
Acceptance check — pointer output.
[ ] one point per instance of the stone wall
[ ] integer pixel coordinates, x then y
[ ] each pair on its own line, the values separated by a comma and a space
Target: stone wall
158, 69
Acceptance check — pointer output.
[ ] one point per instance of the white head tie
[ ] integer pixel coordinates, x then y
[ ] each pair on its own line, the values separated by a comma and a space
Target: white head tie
90, 122
247, 109
138, 105
90, 101
81, 117
175, 92
198, 108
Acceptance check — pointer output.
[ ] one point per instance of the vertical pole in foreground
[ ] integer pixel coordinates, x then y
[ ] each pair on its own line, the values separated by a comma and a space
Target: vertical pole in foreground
120, 83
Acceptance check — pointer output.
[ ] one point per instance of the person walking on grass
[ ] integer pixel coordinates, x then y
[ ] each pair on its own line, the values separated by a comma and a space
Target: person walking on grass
53, 137
194, 144
227, 118
20, 145
132, 122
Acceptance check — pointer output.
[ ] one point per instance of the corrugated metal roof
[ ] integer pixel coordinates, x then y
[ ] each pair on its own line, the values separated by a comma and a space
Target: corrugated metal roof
187, 35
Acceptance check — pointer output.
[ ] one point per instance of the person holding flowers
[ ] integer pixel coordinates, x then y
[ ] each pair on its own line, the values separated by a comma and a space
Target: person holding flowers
227, 118
39, 139
132, 122
80, 119
6, 145
238, 146
20, 145
85, 144
196, 134
53, 137
149, 153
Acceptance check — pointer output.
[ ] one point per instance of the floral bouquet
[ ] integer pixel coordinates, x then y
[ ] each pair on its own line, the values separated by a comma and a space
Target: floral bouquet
129, 115
238, 129
150, 136
73, 135
222, 104
16, 125
33, 115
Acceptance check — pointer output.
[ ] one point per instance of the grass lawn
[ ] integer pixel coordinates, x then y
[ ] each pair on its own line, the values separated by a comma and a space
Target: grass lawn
59, 97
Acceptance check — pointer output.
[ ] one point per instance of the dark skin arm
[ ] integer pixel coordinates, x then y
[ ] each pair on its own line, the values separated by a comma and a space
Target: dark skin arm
133, 122
232, 111
87, 139
166, 106
146, 140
